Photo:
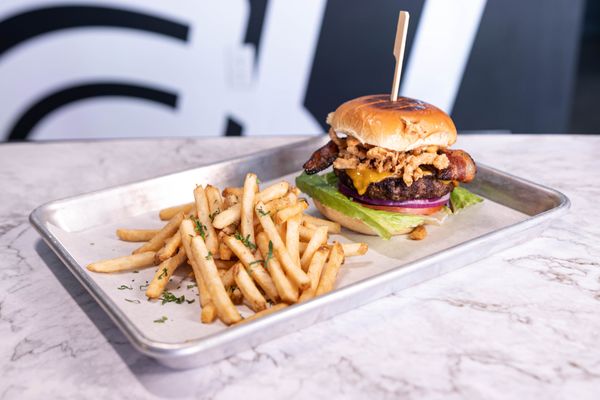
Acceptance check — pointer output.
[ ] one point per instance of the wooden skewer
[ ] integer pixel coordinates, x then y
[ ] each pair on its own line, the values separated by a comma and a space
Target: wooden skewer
399, 45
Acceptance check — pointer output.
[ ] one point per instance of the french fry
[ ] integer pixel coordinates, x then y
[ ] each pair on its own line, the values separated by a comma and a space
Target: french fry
225, 308
292, 237
230, 200
292, 270
261, 314
272, 192
281, 229
208, 312
318, 239
225, 252
227, 277
295, 190
315, 269
354, 249
302, 247
244, 282
229, 216
166, 232
125, 263
350, 249
253, 267
203, 213
236, 191
224, 264
310, 226
330, 271
236, 295
275, 205
163, 274
247, 214
332, 227
257, 228
215, 201
167, 213
306, 233
230, 229
286, 213
136, 235
169, 248
287, 291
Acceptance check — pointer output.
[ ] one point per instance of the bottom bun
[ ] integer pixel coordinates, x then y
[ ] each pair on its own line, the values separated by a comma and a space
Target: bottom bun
354, 224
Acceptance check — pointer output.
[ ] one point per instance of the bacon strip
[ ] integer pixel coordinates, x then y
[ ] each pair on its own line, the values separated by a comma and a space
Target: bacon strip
322, 158
461, 168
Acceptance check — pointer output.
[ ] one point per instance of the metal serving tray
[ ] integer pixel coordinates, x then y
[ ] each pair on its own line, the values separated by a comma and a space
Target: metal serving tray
81, 229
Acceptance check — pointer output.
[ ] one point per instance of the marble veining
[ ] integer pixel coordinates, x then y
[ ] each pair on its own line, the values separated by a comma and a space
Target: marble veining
524, 323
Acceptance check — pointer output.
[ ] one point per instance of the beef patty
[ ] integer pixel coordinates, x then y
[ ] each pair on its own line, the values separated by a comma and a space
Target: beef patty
396, 190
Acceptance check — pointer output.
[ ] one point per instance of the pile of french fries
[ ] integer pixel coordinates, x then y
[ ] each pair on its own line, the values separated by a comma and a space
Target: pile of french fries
244, 245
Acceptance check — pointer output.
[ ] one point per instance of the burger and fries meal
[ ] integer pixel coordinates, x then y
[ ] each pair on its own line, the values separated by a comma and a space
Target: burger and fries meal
393, 174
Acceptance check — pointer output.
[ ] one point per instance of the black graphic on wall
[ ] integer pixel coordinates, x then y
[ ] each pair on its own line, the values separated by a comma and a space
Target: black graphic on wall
60, 98
34, 23
233, 128
28, 25
258, 9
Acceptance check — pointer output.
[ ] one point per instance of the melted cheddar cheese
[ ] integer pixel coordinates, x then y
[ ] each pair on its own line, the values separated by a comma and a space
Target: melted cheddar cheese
362, 178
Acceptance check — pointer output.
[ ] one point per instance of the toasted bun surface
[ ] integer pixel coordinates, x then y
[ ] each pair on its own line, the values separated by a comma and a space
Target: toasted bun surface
353, 224
401, 125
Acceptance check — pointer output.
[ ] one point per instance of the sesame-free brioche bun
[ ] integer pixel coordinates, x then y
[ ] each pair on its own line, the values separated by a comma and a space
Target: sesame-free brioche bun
400, 125
354, 224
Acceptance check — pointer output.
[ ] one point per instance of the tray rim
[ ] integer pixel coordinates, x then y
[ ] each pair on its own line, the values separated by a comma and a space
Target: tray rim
162, 350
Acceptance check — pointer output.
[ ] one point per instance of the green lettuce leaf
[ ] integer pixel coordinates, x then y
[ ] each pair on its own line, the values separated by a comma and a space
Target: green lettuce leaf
461, 198
323, 188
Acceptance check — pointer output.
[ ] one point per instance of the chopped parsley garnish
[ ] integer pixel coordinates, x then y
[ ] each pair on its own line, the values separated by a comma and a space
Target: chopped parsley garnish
200, 228
190, 301
163, 273
193, 285
136, 272
135, 301
144, 287
245, 240
263, 212
269, 254
123, 287
161, 320
169, 297
209, 256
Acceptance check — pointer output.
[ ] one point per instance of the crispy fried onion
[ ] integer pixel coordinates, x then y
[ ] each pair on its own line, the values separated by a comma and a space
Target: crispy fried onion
408, 165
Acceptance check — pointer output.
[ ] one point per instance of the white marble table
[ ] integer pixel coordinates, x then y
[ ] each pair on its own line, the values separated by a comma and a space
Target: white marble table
524, 323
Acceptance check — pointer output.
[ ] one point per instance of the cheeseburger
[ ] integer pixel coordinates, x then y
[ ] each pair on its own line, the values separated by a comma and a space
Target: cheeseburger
393, 168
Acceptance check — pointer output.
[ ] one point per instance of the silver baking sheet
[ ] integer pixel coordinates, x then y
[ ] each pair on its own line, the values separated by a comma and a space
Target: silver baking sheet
81, 229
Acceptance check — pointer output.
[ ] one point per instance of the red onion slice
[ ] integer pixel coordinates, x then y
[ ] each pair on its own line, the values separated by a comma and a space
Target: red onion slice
417, 203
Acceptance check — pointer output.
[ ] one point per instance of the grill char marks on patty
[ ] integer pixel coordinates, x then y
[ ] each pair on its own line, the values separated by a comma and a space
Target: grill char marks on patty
395, 189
